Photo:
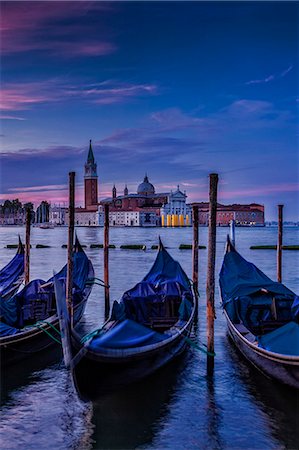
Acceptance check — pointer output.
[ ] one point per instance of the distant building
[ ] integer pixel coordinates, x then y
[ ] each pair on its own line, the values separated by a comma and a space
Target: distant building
176, 212
246, 215
88, 216
42, 214
57, 215
14, 213
146, 208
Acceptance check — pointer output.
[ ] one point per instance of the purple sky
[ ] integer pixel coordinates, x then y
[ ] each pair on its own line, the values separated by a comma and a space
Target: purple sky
177, 90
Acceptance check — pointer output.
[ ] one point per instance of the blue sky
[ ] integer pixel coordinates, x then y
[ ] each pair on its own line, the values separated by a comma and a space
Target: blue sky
174, 89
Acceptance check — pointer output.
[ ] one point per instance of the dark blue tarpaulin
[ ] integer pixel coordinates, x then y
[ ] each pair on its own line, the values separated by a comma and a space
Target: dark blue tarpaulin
165, 268
12, 272
283, 340
126, 334
239, 277
166, 282
251, 297
18, 310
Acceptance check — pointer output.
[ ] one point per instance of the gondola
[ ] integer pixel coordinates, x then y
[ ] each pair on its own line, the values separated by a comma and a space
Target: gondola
148, 328
262, 317
28, 321
12, 275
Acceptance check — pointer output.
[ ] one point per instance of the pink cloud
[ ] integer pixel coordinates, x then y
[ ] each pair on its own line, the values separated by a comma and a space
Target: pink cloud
23, 27
22, 96
16, 97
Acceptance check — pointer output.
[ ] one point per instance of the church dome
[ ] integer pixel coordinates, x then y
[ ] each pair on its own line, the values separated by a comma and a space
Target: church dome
145, 188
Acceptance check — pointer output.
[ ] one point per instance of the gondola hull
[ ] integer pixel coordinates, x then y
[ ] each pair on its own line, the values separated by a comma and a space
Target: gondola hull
98, 373
281, 368
33, 341
16, 348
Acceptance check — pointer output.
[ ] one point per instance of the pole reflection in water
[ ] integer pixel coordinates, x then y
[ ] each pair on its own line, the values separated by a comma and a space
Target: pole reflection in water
213, 417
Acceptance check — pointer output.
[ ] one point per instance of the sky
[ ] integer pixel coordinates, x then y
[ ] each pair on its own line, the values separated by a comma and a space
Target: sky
177, 90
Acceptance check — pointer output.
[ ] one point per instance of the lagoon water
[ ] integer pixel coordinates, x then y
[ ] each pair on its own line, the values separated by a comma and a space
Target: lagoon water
178, 408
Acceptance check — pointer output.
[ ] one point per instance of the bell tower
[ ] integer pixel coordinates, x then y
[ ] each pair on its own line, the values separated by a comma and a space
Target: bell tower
91, 181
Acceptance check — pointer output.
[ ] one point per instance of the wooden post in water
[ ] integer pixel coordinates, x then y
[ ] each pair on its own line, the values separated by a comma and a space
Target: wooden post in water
195, 256
210, 290
279, 244
232, 225
70, 247
27, 247
106, 260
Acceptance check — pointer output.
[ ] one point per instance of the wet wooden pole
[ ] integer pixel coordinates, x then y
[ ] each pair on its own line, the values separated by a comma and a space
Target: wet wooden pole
210, 289
195, 256
233, 232
70, 247
27, 247
106, 260
279, 244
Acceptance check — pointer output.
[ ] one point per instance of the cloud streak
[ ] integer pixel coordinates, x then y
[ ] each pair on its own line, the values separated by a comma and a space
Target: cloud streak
55, 29
24, 96
272, 77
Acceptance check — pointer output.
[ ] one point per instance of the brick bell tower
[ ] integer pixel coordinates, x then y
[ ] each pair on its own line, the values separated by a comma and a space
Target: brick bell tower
91, 181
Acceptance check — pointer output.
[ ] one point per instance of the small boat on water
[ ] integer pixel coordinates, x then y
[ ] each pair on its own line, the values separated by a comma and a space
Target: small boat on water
262, 317
148, 328
12, 275
28, 321
47, 226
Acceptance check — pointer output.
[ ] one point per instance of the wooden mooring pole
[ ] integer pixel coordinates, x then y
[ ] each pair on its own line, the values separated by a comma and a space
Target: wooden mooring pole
232, 226
210, 290
195, 256
106, 260
27, 247
70, 247
279, 244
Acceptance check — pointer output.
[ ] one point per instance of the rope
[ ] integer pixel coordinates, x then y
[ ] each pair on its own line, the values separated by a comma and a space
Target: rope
50, 324
197, 347
91, 281
90, 335
49, 334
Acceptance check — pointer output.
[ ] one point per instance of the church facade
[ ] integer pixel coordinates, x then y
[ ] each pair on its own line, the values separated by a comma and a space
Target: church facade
146, 208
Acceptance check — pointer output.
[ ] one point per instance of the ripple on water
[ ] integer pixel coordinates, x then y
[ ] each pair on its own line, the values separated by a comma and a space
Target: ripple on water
46, 414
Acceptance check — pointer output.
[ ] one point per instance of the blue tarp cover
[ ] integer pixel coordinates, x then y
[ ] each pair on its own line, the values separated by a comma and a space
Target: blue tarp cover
241, 283
11, 273
6, 330
166, 268
165, 282
12, 311
126, 334
239, 277
283, 340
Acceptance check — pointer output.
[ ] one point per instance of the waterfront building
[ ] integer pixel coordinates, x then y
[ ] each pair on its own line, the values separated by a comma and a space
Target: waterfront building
14, 213
146, 208
57, 215
129, 209
252, 214
43, 212
88, 216
176, 212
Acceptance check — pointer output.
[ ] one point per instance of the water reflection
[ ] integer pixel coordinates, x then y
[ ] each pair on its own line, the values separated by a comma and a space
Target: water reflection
129, 418
278, 402
20, 375
214, 417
